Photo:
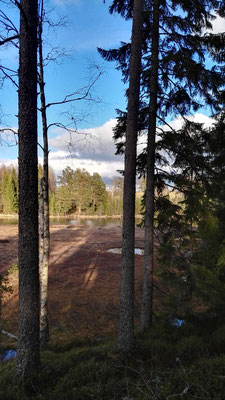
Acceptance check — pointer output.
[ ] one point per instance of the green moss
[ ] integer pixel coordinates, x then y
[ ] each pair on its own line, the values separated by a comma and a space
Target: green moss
164, 362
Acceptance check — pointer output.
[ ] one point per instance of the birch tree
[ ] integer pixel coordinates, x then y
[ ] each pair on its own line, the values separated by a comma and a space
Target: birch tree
84, 93
44, 197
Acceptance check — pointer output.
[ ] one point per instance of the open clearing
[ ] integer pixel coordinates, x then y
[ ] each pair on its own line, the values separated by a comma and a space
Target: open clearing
84, 278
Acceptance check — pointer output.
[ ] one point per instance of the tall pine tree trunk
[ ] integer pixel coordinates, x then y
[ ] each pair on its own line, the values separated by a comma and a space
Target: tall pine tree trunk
147, 299
126, 322
28, 351
45, 236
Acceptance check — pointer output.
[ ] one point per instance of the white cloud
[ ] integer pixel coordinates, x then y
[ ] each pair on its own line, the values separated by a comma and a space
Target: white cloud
107, 170
218, 25
91, 149
200, 118
9, 163
95, 143
8, 136
94, 149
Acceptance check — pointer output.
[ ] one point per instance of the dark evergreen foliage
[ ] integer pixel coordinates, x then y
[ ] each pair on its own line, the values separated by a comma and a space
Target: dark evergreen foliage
185, 82
185, 85
192, 233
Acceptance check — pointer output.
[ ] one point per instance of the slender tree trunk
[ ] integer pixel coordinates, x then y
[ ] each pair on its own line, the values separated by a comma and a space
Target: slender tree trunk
44, 261
41, 222
1, 295
126, 322
191, 221
147, 299
28, 351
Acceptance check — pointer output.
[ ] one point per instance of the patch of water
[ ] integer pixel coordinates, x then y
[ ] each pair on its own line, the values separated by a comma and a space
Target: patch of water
110, 222
106, 221
118, 250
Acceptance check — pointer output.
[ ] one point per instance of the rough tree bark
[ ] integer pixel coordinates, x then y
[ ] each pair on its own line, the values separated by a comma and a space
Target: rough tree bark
45, 234
147, 298
28, 351
1, 293
126, 322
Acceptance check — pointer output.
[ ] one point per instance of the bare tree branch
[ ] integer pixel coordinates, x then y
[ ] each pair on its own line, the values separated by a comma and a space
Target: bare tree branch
11, 130
9, 39
6, 75
8, 30
42, 148
7, 142
82, 94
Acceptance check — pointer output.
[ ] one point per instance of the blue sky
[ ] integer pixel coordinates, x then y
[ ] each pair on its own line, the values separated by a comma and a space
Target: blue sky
89, 26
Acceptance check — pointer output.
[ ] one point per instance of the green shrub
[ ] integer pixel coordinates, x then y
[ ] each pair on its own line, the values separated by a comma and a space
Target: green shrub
189, 347
14, 268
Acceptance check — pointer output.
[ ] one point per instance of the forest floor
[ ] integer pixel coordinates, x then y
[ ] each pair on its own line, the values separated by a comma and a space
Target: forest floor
84, 279
80, 362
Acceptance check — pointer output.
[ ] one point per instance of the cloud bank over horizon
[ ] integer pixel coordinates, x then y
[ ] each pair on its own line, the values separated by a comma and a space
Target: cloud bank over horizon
94, 149
91, 149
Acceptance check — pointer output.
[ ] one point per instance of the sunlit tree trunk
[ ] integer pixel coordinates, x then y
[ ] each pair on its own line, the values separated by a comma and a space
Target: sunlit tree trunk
28, 351
126, 322
147, 298
45, 234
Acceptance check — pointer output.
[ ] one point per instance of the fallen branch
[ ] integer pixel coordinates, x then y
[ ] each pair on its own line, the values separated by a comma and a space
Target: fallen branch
10, 335
160, 290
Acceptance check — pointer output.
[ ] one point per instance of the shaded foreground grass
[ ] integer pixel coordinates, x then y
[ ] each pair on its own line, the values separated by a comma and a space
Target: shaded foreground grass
170, 362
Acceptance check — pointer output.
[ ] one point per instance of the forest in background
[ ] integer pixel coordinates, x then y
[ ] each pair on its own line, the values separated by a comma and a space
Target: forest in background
75, 192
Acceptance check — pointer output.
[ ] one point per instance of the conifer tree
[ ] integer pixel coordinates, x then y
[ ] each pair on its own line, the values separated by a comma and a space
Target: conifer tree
13, 195
126, 324
4, 191
97, 192
184, 81
147, 296
9, 190
192, 232
78, 191
28, 350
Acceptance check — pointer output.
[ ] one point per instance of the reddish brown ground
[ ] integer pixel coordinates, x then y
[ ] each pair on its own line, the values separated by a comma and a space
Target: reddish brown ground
84, 279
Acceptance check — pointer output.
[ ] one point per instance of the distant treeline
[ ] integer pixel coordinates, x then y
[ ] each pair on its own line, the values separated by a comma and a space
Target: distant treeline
74, 192
8, 190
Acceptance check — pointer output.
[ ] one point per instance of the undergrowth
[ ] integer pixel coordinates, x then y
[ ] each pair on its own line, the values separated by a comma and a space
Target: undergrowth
169, 362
